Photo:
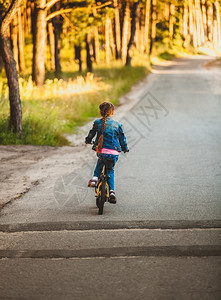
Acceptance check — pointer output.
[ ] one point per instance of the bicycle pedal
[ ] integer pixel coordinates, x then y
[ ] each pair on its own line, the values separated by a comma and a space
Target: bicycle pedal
112, 201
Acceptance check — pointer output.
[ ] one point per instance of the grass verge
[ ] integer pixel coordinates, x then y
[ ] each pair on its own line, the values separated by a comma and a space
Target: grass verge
63, 104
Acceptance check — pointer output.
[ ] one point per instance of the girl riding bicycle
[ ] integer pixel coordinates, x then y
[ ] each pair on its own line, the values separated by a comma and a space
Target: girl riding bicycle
110, 140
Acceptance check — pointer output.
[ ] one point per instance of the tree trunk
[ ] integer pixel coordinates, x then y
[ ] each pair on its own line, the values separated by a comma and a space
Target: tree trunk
78, 56
51, 44
14, 38
39, 47
218, 23
153, 26
215, 25
57, 35
117, 29
21, 41
210, 21
192, 22
107, 39
142, 34
96, 52
96, 45
137, 34
201, 23
146, 25
58, 24
185, 25
33, 31
195, 36
112, 44
125, 32
1, 62
28, 18
10, 68
133, 31
171, 21
89, 50
204, 18
198, 19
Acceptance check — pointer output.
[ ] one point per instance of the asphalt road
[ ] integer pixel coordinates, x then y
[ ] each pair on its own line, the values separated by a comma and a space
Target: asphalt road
162, 239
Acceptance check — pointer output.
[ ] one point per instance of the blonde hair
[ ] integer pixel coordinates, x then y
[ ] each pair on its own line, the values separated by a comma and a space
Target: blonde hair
105, 110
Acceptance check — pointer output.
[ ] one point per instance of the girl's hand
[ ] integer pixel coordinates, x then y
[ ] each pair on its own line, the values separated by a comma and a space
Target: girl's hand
87, 141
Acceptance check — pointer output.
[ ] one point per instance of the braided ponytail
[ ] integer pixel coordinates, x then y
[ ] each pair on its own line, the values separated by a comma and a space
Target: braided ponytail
105, 109
101, 138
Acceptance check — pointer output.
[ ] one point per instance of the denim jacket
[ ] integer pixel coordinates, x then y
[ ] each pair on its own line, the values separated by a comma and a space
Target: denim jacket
114, 137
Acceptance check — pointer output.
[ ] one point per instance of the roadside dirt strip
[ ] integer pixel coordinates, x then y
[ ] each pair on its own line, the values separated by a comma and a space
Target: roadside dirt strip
22, 167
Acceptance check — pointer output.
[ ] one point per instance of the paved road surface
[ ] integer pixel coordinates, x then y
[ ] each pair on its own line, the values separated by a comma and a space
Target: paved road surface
162, 239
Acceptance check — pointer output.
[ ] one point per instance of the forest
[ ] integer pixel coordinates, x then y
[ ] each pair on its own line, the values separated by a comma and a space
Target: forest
60, 58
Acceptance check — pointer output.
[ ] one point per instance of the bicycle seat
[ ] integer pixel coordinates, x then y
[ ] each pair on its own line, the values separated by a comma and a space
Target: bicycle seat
108, 163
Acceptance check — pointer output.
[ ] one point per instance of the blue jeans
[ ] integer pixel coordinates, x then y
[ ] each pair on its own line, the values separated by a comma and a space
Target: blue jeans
111, 160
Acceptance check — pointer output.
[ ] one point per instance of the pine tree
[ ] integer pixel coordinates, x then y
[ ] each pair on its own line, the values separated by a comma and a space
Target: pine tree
10, 68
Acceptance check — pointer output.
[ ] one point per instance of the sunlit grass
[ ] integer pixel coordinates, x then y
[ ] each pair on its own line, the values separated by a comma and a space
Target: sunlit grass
61, 105
59, 88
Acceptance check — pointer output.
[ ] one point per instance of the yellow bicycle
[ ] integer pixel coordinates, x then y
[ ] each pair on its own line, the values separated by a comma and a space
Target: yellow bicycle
102, 191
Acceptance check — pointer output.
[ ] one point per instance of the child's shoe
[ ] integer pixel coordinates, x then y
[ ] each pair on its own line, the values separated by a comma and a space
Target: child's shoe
93, 182
113, 198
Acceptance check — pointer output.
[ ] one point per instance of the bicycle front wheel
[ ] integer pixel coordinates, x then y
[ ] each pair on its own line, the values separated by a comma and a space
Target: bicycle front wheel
102, 198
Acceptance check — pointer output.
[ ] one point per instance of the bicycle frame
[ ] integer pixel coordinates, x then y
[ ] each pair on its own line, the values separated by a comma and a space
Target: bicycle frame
102, 191
102, 178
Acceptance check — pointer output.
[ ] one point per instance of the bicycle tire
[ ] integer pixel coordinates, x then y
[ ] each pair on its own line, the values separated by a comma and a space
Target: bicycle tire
98, 194
97, 201
102, 198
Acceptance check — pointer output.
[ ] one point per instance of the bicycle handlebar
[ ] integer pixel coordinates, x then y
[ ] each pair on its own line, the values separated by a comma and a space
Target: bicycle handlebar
91, 143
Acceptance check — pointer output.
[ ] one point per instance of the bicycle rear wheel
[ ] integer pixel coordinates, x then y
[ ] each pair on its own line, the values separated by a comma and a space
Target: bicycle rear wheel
102, 198
98, 201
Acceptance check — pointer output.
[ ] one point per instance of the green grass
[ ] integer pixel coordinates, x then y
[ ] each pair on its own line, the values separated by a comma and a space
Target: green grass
166, 55
167, 50
35, 132
62, 105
